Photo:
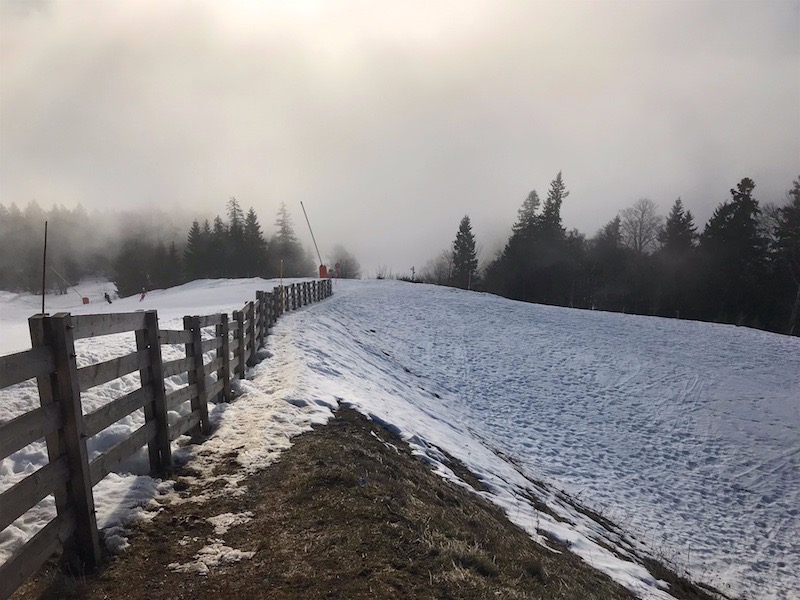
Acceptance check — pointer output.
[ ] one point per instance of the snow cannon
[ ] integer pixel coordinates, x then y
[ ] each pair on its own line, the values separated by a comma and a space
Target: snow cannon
323, 272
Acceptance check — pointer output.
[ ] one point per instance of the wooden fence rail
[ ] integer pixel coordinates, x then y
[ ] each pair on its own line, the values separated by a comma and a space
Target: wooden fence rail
218, 349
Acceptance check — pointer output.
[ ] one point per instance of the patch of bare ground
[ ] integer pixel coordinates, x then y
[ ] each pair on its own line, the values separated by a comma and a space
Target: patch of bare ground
346, 512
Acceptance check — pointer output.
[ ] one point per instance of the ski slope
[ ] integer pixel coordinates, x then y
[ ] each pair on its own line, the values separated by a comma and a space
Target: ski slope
685, 434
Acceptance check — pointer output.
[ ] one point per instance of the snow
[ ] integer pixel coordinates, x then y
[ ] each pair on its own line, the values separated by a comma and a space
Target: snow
685, 434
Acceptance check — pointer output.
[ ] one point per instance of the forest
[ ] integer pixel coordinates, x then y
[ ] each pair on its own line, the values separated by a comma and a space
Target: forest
136, 251
743, 267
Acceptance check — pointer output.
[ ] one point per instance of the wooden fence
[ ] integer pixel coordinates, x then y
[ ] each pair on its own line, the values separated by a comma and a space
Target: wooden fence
69, 476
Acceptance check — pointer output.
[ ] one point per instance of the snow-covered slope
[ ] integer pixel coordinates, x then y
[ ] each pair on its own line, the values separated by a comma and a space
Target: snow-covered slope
686, 434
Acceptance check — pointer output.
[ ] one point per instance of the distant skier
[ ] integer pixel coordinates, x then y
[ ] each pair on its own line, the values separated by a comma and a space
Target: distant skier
144, 293
107, 297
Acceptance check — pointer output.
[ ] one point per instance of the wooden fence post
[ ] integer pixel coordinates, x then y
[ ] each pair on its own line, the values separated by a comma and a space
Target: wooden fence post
147, 342
306, 293
224, 352
294, 296
241, 367
197, 376
268, 304
80, 482
41, 335
261, 311
285, 293
251, 332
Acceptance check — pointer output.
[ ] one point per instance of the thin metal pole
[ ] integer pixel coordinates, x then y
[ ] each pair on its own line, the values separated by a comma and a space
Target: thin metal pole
69, 285
44, 265
312, 232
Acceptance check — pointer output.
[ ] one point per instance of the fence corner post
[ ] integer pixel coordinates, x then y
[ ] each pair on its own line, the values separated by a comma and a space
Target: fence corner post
68, 394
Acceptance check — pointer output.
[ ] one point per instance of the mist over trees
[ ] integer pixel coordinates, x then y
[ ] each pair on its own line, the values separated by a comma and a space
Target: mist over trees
742, 268
143, 249
348, 265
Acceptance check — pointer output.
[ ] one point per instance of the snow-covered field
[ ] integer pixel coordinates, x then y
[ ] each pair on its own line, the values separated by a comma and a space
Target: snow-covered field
687, 435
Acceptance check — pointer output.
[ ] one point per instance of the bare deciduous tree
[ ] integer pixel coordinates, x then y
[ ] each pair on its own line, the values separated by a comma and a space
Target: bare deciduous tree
640, 226
349, 267
438, 270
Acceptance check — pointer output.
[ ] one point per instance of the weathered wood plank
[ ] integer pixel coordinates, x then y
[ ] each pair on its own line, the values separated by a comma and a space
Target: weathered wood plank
215, 389
25, 494
28, 427
174, 336
209, 320
85, 326
115, 410
20, 366
184, 424
108, 461
178, 366
181, 395
234, 346
28, 559
214, 365
100, 373
209, 345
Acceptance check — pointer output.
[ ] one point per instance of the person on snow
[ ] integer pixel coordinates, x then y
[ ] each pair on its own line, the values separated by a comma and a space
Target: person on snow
107, 297
144, 293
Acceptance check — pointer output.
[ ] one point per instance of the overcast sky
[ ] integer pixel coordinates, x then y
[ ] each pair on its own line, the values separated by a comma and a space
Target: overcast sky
391, 120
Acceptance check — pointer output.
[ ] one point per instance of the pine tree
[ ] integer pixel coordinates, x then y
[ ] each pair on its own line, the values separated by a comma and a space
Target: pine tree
787, 250
285, 247
194, 254
235, 259
218, 255
674, 262
526, 215
465, 261
550, 220
736, 253
679, 234
254, 254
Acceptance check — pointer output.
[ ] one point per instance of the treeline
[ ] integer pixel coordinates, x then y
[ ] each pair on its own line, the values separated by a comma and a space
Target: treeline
74, 247
742, 268
142, 250
233, 248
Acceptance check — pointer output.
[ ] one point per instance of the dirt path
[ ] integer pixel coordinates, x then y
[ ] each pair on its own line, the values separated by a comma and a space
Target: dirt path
347, 512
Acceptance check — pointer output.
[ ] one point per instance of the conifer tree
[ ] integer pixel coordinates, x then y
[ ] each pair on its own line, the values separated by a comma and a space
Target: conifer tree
736, 253
194, 253
787, 251
674, 261
679, 234
465, 261
285, 247
550, 220
254, 246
